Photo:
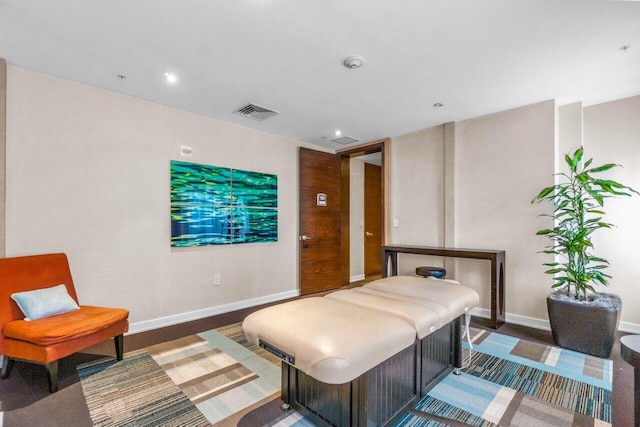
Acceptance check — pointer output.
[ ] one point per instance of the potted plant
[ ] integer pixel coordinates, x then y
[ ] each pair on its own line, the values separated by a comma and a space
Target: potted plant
581, 318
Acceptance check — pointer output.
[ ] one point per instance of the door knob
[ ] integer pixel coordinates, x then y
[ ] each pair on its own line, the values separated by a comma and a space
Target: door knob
366, 233
303, 237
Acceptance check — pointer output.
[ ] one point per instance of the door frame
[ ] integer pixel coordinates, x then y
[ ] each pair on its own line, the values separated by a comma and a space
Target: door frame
382, 146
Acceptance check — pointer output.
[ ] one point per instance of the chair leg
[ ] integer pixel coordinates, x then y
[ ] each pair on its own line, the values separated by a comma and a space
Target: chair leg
119, 341
53, 375
7, 364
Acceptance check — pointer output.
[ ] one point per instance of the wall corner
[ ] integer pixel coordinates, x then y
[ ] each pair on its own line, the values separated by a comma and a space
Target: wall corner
3, 155
449, 194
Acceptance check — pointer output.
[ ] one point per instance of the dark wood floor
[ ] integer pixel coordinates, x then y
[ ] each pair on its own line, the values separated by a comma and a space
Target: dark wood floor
28, 385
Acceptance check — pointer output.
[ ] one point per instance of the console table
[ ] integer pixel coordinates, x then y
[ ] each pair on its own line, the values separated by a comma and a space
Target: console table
496, 257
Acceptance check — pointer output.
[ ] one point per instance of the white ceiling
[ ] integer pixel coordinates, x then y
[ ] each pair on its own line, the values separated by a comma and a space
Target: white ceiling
475, 56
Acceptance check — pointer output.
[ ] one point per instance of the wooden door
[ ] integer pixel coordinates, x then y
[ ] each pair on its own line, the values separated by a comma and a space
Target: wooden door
372, 219
320, 222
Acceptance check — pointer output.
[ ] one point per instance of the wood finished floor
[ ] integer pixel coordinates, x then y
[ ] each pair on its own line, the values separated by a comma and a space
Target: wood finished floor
28, 385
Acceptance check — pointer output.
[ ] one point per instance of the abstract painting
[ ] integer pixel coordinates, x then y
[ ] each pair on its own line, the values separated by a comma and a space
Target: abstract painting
213, 205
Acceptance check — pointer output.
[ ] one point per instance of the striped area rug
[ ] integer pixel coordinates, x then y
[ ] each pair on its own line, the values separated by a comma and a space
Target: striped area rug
216, 378
211, 378
509, 381
168, 384
198, 368
135, 392
234, 332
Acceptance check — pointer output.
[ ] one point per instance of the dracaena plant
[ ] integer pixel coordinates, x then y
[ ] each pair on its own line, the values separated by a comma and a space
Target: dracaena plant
578, 204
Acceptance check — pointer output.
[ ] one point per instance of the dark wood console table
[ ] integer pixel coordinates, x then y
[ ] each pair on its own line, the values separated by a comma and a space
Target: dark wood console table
497, 258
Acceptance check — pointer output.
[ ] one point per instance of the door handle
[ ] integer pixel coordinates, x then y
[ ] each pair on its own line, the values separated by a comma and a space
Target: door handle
303, 238
366, 233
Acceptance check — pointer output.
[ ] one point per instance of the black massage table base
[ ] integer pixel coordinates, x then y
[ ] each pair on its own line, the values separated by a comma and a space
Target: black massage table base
382, 395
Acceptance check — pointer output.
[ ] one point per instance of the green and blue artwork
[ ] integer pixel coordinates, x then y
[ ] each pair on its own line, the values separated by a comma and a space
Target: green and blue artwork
213, 205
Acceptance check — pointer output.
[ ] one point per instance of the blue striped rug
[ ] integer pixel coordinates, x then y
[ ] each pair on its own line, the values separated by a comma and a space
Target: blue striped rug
509, 381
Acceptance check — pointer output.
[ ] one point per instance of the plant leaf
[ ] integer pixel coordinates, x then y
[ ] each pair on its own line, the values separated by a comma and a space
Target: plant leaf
577, 156
544, 232
602, 168
545, 192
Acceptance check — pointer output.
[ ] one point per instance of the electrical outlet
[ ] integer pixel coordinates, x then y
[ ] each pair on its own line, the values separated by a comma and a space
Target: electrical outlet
216, 279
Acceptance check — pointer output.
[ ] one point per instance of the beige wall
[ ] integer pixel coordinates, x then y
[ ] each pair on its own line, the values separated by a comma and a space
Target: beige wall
570, 123
502, 161
417, 194
498, 164
612, 135
88, 174
3, 134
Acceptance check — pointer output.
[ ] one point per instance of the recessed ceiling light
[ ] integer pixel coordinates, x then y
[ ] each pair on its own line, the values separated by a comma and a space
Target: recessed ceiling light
438, 105
338, 132
170, 78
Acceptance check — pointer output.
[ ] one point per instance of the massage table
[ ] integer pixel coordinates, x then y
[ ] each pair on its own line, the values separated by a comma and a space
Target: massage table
362, 356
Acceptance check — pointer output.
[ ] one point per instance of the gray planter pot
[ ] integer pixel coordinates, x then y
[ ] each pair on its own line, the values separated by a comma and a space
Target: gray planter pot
582, 327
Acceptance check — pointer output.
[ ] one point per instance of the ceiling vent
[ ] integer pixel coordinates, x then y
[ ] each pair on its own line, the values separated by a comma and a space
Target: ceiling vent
345, 140
255, 112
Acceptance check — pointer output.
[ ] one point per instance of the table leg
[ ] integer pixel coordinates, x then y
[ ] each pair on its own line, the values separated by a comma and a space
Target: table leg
386, 258
636, 388
497, 291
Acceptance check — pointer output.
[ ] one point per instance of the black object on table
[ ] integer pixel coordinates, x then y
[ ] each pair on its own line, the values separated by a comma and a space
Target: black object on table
497, 258
437, 272
630, 352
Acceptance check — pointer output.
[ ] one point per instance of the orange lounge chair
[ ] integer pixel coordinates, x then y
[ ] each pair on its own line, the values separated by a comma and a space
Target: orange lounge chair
51, 338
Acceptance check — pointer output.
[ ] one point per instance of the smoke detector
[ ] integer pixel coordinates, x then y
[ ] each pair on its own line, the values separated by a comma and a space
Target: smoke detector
354, 62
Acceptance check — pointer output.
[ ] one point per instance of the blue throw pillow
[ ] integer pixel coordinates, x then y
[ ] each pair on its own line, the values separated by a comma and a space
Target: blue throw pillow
45, 302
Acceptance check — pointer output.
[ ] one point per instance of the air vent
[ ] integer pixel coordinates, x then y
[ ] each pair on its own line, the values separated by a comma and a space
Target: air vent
345, 140
255, 112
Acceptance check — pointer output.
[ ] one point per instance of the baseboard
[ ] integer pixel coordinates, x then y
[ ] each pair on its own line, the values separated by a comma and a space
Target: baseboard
514, 319
633, 328
357, 278
175, 319
484, 313
532, 322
